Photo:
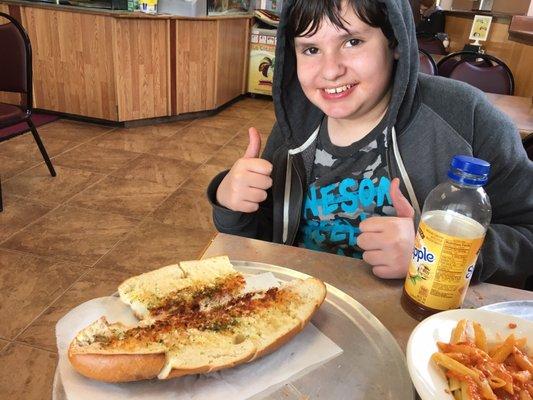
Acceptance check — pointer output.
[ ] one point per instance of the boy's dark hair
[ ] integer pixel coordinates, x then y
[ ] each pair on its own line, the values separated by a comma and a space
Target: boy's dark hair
306, 16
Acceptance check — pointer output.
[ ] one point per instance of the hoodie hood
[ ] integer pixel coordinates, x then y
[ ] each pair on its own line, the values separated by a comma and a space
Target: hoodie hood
297, 117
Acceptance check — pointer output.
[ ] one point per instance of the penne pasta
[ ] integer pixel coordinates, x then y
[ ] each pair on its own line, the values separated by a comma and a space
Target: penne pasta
476, 373
524, 395
502, 352
458, 332
454, 384
465, 393
521, 343
522, 361
480, 338
522, 376
496, 382
486, 390
452, 365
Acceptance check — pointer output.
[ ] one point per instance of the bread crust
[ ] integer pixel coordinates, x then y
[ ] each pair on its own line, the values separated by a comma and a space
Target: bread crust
114, 368
177, 372
133, 367
297, 329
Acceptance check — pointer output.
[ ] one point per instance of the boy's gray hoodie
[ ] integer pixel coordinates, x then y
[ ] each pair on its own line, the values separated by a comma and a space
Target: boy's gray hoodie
431, 119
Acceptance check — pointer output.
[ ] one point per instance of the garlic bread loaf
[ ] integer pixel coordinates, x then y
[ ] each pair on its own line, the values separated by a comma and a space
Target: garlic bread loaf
195, 317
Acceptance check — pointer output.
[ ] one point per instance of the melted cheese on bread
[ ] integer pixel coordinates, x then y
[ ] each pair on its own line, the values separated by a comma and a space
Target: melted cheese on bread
150, 290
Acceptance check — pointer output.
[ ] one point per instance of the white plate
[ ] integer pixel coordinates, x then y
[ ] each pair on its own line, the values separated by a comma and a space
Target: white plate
520, 308
429, 380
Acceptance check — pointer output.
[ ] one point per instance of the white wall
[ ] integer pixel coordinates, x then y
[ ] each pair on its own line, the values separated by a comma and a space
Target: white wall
446, 4
530, 12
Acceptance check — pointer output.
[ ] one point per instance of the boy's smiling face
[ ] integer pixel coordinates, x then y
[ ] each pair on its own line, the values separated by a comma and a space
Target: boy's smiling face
346, 74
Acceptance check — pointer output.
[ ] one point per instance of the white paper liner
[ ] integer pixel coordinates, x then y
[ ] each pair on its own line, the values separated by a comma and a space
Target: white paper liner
308, 350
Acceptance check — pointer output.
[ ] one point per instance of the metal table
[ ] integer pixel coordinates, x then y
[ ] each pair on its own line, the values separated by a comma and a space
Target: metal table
362, 314
354, 277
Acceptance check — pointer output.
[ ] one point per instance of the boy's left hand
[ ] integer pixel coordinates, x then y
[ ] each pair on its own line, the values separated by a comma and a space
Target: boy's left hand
388, 241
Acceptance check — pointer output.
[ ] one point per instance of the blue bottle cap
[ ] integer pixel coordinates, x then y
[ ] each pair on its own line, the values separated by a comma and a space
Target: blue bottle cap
469, 170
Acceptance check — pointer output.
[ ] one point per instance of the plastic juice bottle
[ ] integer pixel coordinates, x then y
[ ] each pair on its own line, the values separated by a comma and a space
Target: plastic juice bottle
452, 227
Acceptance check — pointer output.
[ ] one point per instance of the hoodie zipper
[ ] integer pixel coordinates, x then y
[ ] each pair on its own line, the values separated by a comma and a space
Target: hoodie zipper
291, 236
405, 176
287, 198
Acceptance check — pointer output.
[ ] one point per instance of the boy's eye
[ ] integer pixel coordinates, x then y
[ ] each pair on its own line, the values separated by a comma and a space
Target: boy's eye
353, 42
310, 50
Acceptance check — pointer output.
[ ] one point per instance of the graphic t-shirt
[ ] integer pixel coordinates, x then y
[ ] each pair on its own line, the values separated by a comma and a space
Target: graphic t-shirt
347, 185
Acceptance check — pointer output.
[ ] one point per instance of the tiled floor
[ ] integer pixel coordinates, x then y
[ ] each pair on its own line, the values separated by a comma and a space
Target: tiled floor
124, 201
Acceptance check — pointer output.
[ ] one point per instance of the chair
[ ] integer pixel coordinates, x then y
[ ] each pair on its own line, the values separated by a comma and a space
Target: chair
483, 71
16, 77
430, 43
427, 64
448, 63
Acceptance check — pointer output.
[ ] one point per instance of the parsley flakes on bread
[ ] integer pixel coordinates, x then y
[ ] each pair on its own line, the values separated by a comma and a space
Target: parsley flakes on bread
195, 317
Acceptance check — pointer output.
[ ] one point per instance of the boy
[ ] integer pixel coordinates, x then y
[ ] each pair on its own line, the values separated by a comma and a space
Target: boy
354, 115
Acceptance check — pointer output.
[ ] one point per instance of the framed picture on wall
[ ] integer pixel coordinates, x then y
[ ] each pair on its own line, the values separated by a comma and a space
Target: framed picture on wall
480, 28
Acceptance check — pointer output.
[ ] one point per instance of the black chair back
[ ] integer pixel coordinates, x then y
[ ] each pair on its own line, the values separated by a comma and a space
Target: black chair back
15, 70
16, 76
430, 43
427, 65
446, 65
483, 71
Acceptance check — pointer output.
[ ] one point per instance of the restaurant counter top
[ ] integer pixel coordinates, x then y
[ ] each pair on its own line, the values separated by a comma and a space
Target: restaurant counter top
120, 13
472, 13
127, 66
521, 29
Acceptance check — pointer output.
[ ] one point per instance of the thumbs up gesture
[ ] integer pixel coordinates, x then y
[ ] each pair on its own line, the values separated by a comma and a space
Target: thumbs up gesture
247, 182
388, 242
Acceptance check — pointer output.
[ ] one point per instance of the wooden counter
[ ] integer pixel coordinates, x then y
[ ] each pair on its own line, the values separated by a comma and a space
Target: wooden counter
471, 14
121, 66
119, 13
521, 29
517, 55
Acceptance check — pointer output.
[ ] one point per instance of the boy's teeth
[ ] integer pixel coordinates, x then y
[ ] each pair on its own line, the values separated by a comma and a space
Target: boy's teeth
338, 90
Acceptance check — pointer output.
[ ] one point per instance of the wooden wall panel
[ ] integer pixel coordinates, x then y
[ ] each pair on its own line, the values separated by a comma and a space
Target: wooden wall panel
511, 6
196, 47
5, 9
462, 4
10, 98
72, 62
232, 53
517, 56
521, 65
141, 68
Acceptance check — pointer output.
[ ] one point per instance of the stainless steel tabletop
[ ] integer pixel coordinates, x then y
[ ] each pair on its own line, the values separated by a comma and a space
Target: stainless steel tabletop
367, 346
380, 297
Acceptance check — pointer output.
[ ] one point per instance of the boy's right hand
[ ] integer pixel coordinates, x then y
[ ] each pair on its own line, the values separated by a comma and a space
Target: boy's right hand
247, 182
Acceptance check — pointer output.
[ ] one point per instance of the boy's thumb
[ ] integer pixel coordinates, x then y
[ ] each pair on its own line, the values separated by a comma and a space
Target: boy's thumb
254, 147
399, 202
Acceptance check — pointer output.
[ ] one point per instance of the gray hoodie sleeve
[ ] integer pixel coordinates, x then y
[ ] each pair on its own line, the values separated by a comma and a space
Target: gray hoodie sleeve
507, 253
257, 225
